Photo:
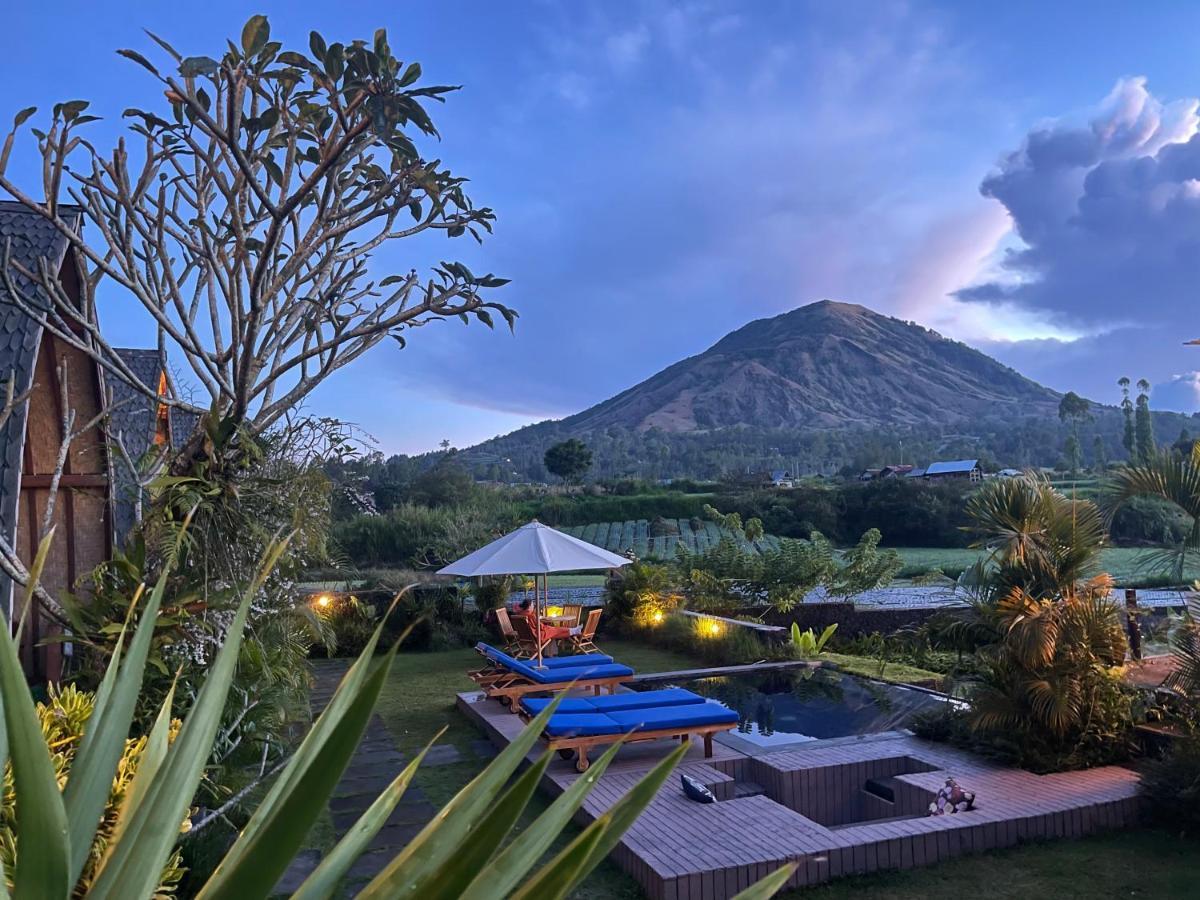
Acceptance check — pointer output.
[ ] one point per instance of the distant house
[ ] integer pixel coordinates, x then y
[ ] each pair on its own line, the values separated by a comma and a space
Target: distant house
915, 473
782, 479
1009, 473
892, 471
955, 468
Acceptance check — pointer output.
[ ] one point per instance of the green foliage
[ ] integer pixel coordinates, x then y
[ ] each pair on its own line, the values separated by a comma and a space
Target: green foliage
464, 851
63, 719
1170, 786
1047, 690
569, 460
807, 643
414, 536
1170, 478
349, 623
443, 484
783, 575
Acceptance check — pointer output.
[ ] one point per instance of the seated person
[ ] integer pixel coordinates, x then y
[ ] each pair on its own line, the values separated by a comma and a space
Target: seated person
528, 609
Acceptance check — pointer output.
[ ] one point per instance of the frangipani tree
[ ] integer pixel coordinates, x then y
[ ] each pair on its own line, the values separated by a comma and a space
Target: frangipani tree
241, 214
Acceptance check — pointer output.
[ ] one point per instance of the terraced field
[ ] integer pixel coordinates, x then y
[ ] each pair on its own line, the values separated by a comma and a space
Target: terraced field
634, 534
1126, 564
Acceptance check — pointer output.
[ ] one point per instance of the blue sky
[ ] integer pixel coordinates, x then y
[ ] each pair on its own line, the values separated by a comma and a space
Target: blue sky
1014, 176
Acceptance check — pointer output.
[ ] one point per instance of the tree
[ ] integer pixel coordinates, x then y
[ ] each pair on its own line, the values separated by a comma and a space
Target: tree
1127, 437
1143, 424
244, 226
569, 460
1099, 454
1049, 636
1173, 478
1073, 409
1184, 443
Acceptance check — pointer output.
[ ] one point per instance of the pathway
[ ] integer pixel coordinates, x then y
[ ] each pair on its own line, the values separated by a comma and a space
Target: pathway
372, 768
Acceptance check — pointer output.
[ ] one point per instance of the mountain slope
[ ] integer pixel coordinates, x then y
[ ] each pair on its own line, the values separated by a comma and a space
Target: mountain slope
824, 365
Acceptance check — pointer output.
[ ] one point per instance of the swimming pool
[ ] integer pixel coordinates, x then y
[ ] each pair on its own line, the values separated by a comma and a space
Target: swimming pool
786, 706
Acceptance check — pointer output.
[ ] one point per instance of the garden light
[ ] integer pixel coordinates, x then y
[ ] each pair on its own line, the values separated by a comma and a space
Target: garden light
657, 617
324, 600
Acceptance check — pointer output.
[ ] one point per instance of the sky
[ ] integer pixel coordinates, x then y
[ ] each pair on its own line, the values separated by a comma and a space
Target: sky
1024, 177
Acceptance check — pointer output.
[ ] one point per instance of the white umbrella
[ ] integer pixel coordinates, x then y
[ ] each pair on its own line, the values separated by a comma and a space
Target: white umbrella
534, 549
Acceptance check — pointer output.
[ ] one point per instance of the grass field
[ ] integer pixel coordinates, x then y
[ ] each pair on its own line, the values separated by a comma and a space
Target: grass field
1125, 564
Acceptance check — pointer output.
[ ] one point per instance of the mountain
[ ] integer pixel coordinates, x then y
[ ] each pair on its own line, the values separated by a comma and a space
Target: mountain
824, 365
826, 387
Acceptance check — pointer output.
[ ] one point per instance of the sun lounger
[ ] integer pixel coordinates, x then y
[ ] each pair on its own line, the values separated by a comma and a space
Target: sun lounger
614, 702
573, 734
508, 679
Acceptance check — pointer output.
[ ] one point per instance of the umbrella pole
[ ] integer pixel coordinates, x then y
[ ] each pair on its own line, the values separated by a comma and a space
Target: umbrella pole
537, 609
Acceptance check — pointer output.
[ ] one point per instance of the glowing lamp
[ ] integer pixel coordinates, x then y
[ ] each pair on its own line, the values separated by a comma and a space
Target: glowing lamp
657, 617
324, 600
710, 628
554, 610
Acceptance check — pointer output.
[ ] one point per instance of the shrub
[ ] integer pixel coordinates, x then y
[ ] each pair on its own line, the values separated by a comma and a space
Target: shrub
349, 621
64, 718
1171, 786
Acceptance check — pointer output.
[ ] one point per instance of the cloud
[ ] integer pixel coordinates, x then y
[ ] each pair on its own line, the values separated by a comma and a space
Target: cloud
1108, 213
1180, 393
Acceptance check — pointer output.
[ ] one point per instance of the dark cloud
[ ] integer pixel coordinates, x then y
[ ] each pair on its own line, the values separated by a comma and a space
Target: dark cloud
1108, 213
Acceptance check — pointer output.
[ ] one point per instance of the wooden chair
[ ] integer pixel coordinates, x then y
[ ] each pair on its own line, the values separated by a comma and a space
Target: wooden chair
512, 643
584, 641
575, 612
526, 639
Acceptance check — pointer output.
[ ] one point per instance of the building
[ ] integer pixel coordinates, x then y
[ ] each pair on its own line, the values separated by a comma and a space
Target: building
97, 497
35, 362
140, 431
892, 471
955, 468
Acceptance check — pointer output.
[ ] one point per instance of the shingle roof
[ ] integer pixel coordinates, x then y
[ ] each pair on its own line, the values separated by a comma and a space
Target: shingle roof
32, 240
951, 467
135, 419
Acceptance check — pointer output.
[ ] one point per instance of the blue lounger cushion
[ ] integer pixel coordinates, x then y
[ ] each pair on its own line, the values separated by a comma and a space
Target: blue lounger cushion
551, 676
690, 716
564, 725
618, 722
610, 702
582, 659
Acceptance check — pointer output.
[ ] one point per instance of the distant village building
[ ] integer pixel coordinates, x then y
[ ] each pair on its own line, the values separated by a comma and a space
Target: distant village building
955, 468
893, 471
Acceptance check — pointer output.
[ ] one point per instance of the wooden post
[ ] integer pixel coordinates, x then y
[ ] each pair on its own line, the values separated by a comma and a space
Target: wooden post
1132, 628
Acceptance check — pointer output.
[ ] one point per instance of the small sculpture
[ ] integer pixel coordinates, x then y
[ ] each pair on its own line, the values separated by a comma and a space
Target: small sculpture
951, 796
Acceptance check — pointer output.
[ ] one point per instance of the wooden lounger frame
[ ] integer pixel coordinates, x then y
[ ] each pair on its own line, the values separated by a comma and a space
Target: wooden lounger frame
579, 746
503, 684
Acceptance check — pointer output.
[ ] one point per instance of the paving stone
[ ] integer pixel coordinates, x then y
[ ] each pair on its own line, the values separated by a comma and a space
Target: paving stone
300, 868
442, 755
483, 749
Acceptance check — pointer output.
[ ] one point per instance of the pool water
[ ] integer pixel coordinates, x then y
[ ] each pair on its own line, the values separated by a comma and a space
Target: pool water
785, 706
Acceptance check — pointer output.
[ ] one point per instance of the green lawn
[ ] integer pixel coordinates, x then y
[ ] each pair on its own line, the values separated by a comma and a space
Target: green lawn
1150, 864
1123, 563
419, 700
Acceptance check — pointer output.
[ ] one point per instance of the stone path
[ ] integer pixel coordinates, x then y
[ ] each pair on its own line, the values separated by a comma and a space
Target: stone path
374, 765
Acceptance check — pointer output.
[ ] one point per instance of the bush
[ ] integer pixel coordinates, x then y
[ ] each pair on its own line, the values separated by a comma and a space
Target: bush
64, 717
349, 621
1171, 786
1148, 521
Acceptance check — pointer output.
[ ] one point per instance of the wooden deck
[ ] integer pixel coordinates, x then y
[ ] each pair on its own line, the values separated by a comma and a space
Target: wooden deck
808, 804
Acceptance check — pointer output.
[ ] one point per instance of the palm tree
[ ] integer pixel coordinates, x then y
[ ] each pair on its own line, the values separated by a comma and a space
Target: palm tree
1171, 477
1048, 635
